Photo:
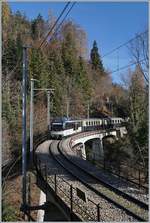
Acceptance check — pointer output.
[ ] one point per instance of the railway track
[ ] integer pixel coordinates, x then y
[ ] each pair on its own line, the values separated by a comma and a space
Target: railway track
131, 207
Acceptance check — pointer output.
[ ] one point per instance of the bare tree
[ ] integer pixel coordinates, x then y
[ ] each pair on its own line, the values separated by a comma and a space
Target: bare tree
140, 54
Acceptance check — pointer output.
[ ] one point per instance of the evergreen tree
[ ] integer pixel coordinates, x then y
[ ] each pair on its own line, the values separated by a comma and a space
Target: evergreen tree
82, 80
38, 27
95, 58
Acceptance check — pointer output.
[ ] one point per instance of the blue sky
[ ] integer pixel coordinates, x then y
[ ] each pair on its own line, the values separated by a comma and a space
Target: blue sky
109, 23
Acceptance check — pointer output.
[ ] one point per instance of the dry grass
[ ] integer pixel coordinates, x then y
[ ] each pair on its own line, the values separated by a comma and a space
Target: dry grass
13, 196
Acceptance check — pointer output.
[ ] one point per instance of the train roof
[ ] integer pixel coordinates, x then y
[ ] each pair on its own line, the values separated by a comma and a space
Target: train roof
70, 120
65, 119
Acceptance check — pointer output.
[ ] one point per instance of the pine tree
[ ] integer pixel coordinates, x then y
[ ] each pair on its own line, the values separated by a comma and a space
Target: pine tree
95, 58
38, 27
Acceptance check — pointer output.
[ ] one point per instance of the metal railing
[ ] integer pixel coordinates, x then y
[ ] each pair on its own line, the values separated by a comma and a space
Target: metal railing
86, 210
122, 170
129, 173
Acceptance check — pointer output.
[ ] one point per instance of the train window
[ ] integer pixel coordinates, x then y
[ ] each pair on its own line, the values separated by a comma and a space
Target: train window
69, 125
86, 123
76, 126
57, 127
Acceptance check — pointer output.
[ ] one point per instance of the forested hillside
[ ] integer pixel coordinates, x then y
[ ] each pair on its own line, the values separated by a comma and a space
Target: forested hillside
82, 86
63, 64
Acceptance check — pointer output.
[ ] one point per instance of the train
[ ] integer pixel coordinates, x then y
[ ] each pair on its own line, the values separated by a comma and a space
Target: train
63, 127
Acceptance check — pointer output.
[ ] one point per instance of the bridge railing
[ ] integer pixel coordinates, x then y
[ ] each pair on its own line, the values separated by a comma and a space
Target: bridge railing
122, 170
87, 209
130, 173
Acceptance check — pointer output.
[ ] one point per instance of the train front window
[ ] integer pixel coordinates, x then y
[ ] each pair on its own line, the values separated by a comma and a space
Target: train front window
57, 127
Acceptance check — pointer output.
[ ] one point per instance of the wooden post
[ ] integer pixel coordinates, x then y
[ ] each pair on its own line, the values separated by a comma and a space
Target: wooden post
71, 201
119, 170
98, 212
55, 184
139, 178
29, 195
46, 177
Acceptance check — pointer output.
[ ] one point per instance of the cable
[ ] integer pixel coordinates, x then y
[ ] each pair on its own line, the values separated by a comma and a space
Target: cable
122, 68
54, 24
110, 52
55, 33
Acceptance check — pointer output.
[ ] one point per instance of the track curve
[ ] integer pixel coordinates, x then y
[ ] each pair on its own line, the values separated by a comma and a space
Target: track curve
136, 212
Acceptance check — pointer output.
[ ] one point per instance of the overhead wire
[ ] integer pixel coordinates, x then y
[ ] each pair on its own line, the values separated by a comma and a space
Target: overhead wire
124, 67
129, 65
111, 51
55, 32
54, 25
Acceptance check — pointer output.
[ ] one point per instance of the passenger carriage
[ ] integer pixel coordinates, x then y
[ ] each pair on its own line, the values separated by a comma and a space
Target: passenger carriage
63, 127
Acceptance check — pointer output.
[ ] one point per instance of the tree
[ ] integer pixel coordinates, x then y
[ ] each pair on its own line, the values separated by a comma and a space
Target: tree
38, 27
138, 127
95, 59
140, 53
6, 20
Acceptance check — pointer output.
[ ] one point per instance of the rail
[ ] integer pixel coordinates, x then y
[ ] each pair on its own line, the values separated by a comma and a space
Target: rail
67, 192
132, 174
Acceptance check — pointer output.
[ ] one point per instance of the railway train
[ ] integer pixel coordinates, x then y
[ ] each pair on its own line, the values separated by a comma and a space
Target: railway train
62, 127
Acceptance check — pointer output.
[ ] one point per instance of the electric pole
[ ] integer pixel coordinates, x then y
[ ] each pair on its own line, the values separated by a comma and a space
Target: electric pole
88, 111
24, 128
48, 110
68, 104
31, 119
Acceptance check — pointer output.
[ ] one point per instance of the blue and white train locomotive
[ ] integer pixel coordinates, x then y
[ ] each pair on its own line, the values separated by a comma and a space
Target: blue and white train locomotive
63, 127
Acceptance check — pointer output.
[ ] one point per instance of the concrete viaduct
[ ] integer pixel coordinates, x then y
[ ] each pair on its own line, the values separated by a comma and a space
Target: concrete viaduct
78, 141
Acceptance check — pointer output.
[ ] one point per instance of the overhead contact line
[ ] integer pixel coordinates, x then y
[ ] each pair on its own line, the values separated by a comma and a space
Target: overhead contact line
52, 28
55, 33
111, 51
